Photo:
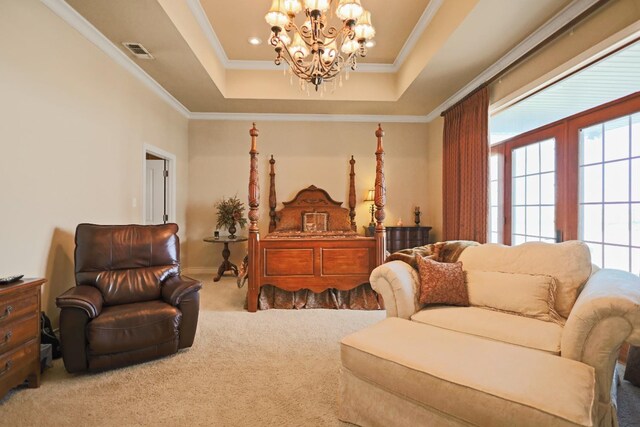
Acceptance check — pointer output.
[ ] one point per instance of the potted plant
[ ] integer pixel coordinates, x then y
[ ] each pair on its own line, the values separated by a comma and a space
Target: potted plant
230, 212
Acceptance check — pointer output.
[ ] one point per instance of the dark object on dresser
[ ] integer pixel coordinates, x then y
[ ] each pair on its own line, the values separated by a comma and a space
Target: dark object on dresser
399, 238
20, 334
406, 237
632, 371
130, 303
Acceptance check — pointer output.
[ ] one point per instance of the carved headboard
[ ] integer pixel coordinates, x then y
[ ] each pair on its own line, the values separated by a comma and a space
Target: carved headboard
312, 209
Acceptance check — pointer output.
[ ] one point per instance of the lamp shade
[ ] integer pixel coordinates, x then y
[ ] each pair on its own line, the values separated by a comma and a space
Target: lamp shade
350, 46
292, 6
321, 5
330, 52
349, 9
364, 29
298, 45
283, 36
277, 15
371, 196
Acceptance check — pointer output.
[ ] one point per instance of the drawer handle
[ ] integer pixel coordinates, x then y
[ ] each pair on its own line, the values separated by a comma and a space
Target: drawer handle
7, 337
7, 312
7, 367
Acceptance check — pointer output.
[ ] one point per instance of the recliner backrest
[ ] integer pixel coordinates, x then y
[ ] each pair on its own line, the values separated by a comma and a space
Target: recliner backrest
127, 263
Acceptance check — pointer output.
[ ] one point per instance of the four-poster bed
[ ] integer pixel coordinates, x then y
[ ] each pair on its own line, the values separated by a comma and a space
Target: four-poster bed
312, 242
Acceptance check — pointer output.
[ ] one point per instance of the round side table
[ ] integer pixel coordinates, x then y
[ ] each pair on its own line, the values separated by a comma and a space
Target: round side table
226, 264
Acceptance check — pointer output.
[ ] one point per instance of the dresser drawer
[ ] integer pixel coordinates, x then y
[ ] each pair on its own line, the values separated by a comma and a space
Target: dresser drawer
17, 332
16, 306
19, 360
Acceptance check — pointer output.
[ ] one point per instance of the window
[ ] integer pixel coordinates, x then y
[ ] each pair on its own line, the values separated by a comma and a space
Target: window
609, 192
578, 178
568, 162
494, 208
533, 186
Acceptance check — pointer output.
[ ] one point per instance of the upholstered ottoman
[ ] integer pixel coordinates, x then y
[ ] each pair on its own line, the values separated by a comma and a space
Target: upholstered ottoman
404, 373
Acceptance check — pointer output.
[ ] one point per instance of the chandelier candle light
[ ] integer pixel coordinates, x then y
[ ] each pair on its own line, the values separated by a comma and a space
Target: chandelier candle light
315, 51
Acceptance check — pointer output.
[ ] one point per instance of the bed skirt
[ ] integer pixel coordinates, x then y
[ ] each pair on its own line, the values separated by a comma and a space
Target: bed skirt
362, 297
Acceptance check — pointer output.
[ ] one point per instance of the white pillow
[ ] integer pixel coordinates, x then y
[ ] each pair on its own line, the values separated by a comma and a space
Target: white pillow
568, 262
529, 295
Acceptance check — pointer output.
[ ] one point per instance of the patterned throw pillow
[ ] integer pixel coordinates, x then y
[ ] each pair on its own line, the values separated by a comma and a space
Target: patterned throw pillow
441, 282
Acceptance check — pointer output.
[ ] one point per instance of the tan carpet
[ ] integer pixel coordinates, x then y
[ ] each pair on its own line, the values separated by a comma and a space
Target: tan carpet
278, 368
628, 401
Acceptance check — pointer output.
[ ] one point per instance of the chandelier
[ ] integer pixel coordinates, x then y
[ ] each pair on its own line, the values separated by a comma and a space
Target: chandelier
315, 51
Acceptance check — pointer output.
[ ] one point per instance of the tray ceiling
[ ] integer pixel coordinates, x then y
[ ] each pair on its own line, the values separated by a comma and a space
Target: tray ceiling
394, 22
429, 50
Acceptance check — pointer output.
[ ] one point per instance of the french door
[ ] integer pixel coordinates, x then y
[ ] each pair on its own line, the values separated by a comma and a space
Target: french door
578, 178
529, 188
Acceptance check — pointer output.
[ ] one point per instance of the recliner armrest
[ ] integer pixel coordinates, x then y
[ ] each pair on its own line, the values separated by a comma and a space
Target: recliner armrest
176, 287
84, 297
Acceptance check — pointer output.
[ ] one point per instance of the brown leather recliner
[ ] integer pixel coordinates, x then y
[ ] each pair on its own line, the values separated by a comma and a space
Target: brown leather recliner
130, 303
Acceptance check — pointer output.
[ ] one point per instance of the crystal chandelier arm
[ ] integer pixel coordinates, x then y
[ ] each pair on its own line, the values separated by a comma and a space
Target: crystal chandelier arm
331, 33
296, 63
303, 30
297, 70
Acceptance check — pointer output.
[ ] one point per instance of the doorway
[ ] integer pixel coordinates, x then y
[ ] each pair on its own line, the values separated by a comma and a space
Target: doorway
158, 205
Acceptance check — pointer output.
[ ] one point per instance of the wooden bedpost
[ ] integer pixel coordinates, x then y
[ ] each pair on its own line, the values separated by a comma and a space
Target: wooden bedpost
254, 232
272, 195
380, 199
352, 194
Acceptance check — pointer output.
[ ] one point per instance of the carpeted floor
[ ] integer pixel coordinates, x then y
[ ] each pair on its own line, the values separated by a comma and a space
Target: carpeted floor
273, 368
628, 402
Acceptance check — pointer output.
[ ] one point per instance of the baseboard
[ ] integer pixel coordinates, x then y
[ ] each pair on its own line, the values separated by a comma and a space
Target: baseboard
199, 270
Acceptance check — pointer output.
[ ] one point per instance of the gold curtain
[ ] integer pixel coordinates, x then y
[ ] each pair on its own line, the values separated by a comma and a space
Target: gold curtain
465, 168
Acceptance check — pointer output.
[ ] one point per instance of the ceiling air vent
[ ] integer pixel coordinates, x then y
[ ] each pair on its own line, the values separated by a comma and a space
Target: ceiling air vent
138, 50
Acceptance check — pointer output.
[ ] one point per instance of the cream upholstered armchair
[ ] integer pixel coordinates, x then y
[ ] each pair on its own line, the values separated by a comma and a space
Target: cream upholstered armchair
600, 308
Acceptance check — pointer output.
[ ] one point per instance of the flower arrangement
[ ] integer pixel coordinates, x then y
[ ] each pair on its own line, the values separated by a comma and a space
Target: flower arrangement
230, 212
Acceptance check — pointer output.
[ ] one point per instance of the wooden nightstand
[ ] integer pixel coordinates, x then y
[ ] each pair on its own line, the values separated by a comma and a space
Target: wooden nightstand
403, 237
20, 334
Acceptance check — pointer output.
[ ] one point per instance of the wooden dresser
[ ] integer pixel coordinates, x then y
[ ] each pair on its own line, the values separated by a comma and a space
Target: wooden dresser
20, 334
403, 237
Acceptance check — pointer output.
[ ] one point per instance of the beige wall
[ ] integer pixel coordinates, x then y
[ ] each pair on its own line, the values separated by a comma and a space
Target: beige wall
73, 128
306, 153
434, 179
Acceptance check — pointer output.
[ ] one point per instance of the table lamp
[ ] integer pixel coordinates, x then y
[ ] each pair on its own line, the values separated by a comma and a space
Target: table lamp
371, 197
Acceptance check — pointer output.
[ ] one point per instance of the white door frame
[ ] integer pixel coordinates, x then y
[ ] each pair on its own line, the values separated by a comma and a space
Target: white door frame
171, 184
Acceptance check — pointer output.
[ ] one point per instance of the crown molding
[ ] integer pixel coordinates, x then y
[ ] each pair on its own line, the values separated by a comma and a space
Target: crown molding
91, 33
561, 19
268, 117
205, 25
233, 64
418, 29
